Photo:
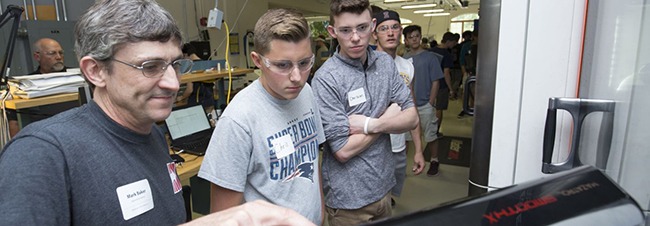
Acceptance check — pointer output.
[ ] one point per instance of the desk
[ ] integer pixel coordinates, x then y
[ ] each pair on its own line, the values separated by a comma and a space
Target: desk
210, 75
192, 77
220, 76
17, 104
190, 167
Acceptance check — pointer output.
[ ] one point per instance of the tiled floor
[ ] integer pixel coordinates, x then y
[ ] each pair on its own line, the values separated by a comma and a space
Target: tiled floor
422, 191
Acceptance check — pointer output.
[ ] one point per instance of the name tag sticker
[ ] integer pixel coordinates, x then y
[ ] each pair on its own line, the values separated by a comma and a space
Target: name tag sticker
135, 198
356, 97
283, 146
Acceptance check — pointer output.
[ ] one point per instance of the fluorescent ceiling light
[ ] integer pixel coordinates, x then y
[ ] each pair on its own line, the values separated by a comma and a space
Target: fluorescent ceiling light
419, 6
437, 14
391, 1
429, 11
405, 21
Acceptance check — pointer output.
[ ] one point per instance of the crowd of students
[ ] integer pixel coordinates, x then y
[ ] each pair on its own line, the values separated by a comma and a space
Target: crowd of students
333, 149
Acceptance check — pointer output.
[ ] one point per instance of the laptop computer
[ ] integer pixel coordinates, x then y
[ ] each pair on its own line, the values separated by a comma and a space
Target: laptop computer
189, 129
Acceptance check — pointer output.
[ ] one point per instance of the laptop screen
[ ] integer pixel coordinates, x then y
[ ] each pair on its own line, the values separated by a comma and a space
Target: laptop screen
187, 121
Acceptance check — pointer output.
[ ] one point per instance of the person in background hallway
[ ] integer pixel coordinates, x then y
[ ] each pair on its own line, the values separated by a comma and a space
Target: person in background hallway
449, 40
107, 162
455, 72
49, 55
388, 33
362, 100
428, 74
427, 45
470, 56
265, 145
465, 47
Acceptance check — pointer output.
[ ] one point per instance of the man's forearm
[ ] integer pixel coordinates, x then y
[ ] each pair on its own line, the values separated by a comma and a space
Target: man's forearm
356, 144
402, 122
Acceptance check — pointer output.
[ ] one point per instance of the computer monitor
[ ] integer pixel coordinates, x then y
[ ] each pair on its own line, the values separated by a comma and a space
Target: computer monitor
202, 49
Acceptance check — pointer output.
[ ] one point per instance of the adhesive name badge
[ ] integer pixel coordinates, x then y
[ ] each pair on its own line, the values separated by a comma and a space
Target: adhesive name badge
283, 146
356, 97
135, 198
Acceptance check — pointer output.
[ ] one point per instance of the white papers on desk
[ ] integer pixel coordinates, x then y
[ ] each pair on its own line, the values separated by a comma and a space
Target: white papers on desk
30, 86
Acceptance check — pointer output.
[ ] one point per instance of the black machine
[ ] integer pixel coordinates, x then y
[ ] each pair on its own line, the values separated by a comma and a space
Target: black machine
580, 196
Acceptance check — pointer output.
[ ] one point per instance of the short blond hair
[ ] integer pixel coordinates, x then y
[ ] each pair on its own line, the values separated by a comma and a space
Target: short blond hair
279, 24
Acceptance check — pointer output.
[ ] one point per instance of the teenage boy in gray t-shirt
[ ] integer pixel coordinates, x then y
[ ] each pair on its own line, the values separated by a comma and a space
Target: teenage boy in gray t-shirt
265, 145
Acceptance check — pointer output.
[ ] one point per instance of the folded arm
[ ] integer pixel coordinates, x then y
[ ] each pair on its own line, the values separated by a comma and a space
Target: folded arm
222, 198
393, 120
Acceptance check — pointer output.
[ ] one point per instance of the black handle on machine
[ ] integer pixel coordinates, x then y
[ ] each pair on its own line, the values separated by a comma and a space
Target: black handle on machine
471, 82
549, 135
579, 109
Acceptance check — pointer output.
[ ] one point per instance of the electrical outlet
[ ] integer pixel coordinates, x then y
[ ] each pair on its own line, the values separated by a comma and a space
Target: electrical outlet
215, 18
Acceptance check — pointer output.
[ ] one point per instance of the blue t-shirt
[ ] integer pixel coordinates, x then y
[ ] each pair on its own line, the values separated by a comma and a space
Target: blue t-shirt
427, 70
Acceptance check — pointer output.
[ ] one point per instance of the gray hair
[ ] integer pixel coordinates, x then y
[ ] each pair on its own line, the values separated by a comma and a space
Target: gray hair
107, 25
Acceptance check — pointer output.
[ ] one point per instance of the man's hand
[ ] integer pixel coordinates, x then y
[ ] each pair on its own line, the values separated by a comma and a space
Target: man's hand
418, 162
356, 123
253, 213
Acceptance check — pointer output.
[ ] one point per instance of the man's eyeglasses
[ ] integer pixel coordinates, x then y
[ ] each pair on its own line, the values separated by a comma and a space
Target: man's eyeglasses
386, 28
418, 36
156, 68
361, 30
285, 67
52, 53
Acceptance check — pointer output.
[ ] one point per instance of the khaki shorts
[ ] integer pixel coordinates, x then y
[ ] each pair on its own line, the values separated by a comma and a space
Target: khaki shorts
428, 123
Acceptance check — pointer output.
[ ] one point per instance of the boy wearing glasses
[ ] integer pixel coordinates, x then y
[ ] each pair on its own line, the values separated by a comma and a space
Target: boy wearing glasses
355, 89
265, 145
387, 34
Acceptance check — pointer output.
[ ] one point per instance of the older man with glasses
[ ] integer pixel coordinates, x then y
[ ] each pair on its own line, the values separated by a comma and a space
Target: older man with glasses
362, 99
49, 55
106, 162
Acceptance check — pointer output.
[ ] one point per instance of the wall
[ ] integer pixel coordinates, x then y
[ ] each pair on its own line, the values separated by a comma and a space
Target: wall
240, 16
186, 13
532, 67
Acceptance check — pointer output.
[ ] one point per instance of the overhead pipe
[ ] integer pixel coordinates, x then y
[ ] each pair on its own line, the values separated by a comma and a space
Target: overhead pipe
25, 7
33, 10
65, 11
56, 9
